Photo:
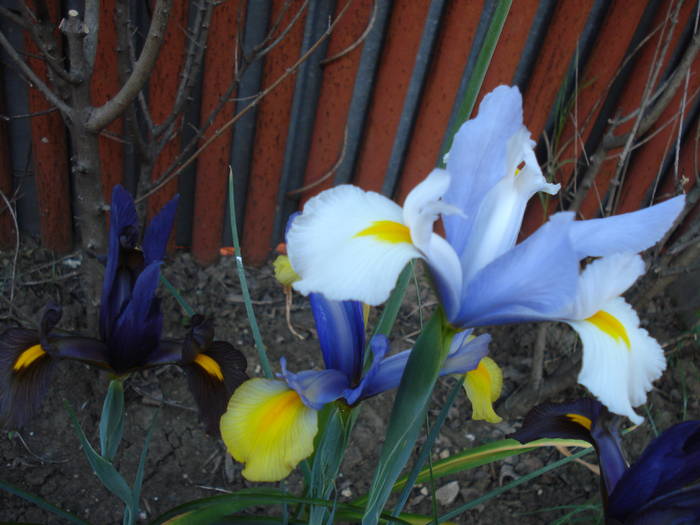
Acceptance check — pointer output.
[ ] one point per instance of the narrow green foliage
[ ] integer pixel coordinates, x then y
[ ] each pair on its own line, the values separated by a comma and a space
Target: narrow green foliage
407, 416
42, 503
103, 468
140, 471
410, 480
177, 295
262, 353
218, 509
391, 307
524, 479
480, 68
112, 420
335, 424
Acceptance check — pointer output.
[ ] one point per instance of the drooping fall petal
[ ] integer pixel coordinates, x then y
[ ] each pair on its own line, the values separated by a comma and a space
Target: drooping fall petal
268, 427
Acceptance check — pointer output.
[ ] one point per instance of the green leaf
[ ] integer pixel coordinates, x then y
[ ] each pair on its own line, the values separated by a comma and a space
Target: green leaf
102, 468
410, 480
178, 296
262, 353
112, 420
476, 80
219, 509
407, 416
335, 424
138, 481
42, 503
478, 456
391, 307
524, 479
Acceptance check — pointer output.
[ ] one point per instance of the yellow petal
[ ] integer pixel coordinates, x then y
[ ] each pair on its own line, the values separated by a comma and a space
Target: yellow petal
483, 386
268, 427
284, 272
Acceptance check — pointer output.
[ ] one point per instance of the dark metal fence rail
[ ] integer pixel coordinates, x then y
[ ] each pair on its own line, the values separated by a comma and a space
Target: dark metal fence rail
372, 105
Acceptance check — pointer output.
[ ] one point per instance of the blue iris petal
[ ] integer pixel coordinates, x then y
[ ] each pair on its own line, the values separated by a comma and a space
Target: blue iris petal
671, 461
122, 217
505, 291
136, 332
155, 240
341, 333
315, 387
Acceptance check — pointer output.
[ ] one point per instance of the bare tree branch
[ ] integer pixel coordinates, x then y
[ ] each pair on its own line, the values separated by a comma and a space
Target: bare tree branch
32, 77
113, 108
168, 175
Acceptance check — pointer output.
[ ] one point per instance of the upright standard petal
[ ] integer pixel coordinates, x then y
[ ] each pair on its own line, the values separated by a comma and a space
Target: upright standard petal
268, 427
349, 244
341, 334
477, 159
155, 240
123, 233
497, 220
136, 332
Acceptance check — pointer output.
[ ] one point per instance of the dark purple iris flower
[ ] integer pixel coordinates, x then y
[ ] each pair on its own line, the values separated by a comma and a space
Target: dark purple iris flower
657, 489
130, 329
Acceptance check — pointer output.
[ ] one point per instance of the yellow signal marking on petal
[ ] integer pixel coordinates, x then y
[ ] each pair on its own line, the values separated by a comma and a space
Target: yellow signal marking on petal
483, 386
268, 427
27, 357
610, 325
210, 366
581, 420
387, 231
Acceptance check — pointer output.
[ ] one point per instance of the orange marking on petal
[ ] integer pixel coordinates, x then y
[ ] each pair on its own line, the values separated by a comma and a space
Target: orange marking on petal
210, 366
27, 357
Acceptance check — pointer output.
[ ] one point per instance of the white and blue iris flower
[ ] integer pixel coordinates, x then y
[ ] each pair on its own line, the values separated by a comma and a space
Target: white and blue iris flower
352, 244
270, 424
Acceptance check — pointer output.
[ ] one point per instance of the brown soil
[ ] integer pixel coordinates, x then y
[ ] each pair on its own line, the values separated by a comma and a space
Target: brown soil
184, 463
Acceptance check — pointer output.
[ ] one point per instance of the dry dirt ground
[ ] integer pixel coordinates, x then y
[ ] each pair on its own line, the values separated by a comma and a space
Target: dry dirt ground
184, 463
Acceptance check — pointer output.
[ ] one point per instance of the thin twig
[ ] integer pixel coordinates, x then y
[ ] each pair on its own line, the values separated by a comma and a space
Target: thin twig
15, 256
162, 181
32, 77
359, 40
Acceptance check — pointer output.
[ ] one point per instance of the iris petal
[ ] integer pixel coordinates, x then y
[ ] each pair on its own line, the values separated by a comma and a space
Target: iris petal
671, 461
617, 374
341, 334
628, 232
477, 159
268, 427
332, 259
483, 386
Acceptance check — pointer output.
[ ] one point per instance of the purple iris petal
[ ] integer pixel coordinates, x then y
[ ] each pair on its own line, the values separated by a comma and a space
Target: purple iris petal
155, 240
671, 461
465, 354
534, 281
371, 384
341, 333
136, 332
680, 507
315, 387
122, 218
